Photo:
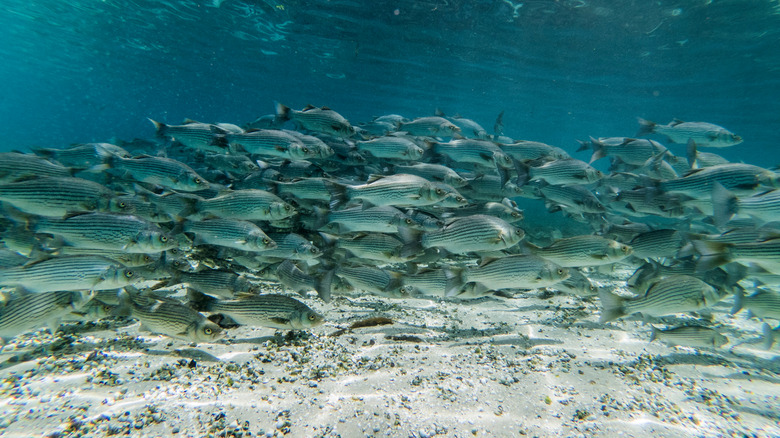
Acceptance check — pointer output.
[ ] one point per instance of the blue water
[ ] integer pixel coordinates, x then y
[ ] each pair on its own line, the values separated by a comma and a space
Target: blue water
86, 70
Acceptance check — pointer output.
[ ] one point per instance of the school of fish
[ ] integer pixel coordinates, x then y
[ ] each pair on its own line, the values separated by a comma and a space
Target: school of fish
181, 233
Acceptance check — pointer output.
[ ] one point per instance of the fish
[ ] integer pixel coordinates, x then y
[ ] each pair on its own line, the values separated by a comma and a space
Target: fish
703, 133
515, 272
433, 172
762, 304
576, 284
374, 246
584, 250
377, 281
28, 311
264, 310
81, 156
770, 336
171, 319
78, 272
323, 120
292, 246
764, 206
230, 233
658, 243
433, 126
271, 143
292, 276
245, 204
689, 336
383, 219
56, 197
765, 254
468, 234
391, 147
533, 151
109, 232
480, 152
562, 171
215, 282
631, 151
669, 295
399, 190
739, 178
433, 282
160, 171
195, 135
16, 166
506, 210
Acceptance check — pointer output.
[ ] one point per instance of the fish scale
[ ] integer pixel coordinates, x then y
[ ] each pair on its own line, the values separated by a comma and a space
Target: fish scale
231, 233
247, 204
176, 320
14, 165
28, 311
516, 272
474, 233
267, 310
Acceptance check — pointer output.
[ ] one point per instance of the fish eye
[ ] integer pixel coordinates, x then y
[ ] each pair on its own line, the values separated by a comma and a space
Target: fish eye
312, 317
174, 251
208, 330
122, 204
459, 199
314, 250
408, 221
519, 232
560, 271
592, 287
515, 214
129, 274
266, 241
163, 239
305, 150
287, 207
439, 191
625, 249
198, 181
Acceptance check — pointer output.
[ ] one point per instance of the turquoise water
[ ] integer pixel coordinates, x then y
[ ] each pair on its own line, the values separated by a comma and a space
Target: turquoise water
77, 71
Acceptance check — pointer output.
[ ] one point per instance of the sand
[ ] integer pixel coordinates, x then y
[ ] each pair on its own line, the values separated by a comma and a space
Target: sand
534, 364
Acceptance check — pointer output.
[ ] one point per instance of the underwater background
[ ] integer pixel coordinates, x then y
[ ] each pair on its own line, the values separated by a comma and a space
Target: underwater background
81, 71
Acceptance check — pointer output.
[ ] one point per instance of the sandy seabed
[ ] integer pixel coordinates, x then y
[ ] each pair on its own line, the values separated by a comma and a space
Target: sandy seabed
537, 364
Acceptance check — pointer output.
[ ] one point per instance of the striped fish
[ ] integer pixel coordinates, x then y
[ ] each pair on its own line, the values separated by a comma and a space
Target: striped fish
69, 273
292, 276
658, 243
690, 336
161, 171
765, 254
762, 304
737, 177
15, 166
629, 150
374, 280
323, 120
516, 272
200, 136
56, 197
480, 152
230, 233
506, 210
398, 190
704, 134
763, 206
583, 250
440, 283
108, 231
317, 189
247, 204
375, 246
265, 310
433, 172
292, 246
271, 143
673, 294
317, 147
392, 147
473, 233
385, 219
523, 150
84, 155
563, 171
29, 311
171, 319
216, 282
429, 127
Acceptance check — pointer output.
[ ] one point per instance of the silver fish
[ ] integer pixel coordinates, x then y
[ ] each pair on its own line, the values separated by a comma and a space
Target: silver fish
70, 273
392, 147
399, 190
690, 336
704, 134
762, 304
108, 231
230, 233
429, 126
194, 135
673, 294
15, 166
579, 251
172, 319
247, 204
472, 234
271, 143
56, 197
292, 276
265, 310
516, 272
83, 155
323, 120
28, 311
157, 170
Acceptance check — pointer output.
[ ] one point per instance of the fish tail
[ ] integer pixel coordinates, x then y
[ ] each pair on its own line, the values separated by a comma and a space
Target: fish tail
523, 173
323, 286
199, 301
739, 302
612, 306
691, 154
654, 334
282, 112
724, 204
645, 127
338, 194
454, 281
767, 336
412, 243
712, 255
160, 128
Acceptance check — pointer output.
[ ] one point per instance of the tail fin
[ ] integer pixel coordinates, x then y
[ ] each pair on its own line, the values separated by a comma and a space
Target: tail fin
739, 301
724, 204
768, 336
645, 127
282, 112
323, 285
523, 173
611, 306
654, 334
159, 127
200, 301
338, 194
599, 151
691, 154
712, 254
454, 281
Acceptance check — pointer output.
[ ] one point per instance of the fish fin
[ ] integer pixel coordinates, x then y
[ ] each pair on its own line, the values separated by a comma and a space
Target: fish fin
523, 173
739, 302
691, 154
282, 112
724, 204
323, 285
675, 122
645, 127
612, 306
654, 333
712, 254
767, 336
160, 128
